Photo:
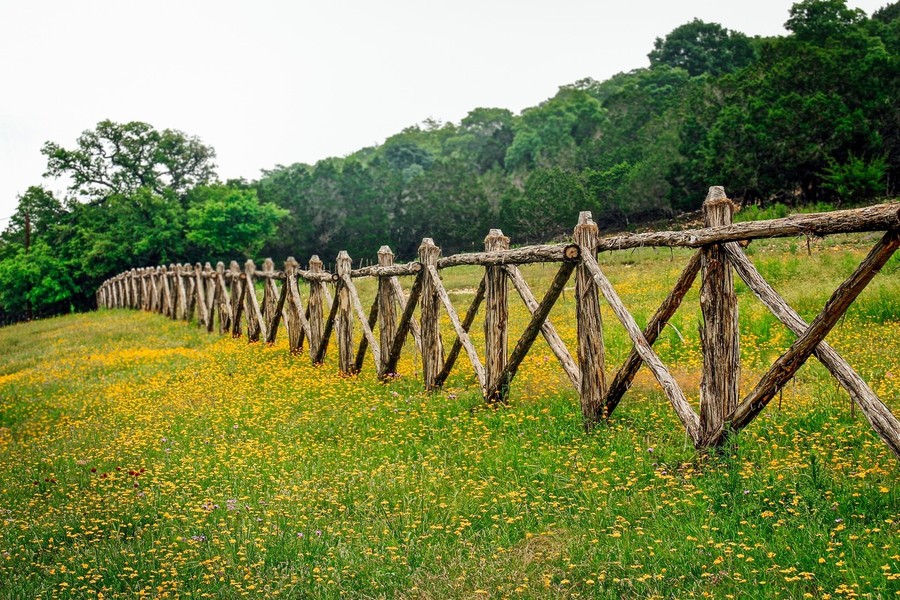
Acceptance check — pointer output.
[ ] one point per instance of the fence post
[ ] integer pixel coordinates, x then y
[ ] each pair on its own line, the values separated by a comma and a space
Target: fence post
191, 287
591, 351
200, 285
387, 313
294, 309
236, 309
142, 282
270, 293
719, 332
210, 300
164, 292
223, 307
343, 266
496, 319
253, 330
432, 348
316, 308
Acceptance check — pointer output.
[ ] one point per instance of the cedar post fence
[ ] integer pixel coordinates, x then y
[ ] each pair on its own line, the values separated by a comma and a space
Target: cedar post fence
230, 296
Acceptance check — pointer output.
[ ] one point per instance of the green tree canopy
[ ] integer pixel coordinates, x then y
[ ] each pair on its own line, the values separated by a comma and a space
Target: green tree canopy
699, 47
119, 158
225, 221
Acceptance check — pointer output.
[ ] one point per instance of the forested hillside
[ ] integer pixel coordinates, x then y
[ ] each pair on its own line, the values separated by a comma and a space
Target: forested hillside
804, 118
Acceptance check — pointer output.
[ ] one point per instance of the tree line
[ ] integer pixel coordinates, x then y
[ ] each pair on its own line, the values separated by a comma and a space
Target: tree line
807, 117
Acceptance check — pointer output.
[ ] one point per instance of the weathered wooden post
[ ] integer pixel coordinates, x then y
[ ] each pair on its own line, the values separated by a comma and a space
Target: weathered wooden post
126, 284
316, 308
181, 303
165, 293
591, 351
191, 286
343, 266
200, 285
208, 277
719, 332
432, 348
387, 312
132, 289
496, 318
270, 291
237, 298
145, 289
174, 279
252, 305
224, 303
294, 311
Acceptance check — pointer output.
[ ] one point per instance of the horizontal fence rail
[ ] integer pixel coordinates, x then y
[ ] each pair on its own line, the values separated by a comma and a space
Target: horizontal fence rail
333, 309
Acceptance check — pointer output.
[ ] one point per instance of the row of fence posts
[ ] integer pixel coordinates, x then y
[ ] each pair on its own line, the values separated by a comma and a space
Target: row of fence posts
180, 291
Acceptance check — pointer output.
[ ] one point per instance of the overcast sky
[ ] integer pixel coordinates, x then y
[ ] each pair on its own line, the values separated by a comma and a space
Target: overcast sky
269, 83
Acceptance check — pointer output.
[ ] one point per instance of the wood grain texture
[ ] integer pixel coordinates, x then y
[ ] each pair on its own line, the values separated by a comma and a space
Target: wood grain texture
591, 349
719, 331
432, 347
496, 316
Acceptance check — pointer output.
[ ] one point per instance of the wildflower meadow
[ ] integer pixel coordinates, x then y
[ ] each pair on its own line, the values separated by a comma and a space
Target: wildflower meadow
143, 457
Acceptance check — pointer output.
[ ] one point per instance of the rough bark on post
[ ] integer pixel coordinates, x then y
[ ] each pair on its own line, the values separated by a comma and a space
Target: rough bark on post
387, 311
719, 332
224, 299
294, 310
237, 304
256, 328
591, 351
344, 316
126, 284
172, 288
432, 348
270, 292
145, 289
210, 299
182, 292
316, 309
496, 318
191, 287
165, 292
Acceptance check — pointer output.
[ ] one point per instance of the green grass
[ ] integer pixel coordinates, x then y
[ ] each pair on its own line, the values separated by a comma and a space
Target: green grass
143, 456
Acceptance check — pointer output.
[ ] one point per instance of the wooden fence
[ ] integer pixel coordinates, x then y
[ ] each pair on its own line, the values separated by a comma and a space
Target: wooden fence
229, 298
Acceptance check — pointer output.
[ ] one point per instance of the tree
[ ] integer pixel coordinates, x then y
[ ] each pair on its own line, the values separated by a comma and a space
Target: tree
35, 283
817, 21
224, 221
699, 47
118, 158
37, 212
550, 133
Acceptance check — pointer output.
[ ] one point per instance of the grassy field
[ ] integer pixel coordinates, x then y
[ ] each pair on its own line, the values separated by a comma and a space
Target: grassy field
143, 457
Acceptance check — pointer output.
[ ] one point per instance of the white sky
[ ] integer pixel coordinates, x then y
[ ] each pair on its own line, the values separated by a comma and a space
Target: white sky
269, 83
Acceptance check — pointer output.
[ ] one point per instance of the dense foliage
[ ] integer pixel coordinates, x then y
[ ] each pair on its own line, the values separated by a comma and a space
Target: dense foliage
804, 118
